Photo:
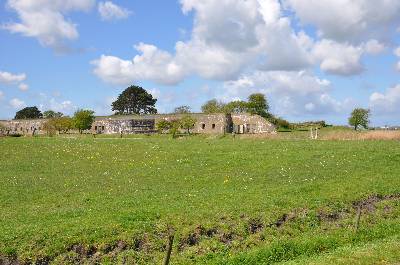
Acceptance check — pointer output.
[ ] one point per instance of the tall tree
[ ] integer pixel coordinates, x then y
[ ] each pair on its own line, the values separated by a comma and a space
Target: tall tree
134, 100
182, 110
83, 120
237, 106
29, 113
213, 106
257, 104
359, 117
52, 114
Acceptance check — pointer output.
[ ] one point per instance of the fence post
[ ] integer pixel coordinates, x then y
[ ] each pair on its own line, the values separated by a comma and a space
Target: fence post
358, 217
169, 248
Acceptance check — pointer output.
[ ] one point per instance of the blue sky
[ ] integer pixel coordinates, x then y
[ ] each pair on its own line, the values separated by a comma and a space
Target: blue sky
314, 60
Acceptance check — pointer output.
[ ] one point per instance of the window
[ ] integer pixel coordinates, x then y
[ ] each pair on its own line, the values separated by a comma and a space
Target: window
95, 128
102, 128
213, 126
203, 126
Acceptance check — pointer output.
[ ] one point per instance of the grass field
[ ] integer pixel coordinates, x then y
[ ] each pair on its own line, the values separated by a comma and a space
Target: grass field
230, 201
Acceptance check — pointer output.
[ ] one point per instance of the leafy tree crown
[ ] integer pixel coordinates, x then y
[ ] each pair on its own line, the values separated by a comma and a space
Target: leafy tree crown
182, 110
52, 114
359, 117
134, 100
83, 119
29, 113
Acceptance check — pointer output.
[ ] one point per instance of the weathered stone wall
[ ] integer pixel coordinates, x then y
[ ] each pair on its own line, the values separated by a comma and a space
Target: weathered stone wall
24, 127
247, 123
130, 124
125, 125
205, 123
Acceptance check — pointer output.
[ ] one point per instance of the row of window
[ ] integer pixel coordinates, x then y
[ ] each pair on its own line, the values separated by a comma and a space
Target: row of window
203, 126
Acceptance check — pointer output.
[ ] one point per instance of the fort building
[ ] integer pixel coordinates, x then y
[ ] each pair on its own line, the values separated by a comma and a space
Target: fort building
217, 123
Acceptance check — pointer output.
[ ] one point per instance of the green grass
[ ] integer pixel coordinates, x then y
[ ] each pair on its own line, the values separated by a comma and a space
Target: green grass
59, 195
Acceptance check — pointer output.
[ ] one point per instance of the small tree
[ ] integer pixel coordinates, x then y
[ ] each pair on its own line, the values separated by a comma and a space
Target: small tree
63, 124
49, 127
83, 120
29, 113
213, 106
187, 123
359, 117
163, 126
48, 114
175, 125
182, 110
257, 104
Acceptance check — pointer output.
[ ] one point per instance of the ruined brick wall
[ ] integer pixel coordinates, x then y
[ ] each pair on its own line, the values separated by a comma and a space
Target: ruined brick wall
25, 127
247, 123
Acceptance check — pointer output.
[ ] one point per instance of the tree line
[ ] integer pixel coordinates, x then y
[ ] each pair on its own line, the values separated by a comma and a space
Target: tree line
136, 100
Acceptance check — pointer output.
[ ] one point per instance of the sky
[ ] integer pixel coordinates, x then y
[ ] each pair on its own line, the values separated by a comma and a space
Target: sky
313, 59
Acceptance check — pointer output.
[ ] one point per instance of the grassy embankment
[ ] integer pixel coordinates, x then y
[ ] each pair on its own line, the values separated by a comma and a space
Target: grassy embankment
230, 201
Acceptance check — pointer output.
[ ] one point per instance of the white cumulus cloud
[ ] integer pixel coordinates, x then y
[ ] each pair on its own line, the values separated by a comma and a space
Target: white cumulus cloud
374, 47
23, 87
46, 21
228, 36
348, 20
338, 58
110, 11
387, 102
17, 103
293, 93
152, 64
9, 78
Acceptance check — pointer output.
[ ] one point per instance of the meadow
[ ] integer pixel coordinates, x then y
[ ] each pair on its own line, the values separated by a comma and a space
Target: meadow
69, 200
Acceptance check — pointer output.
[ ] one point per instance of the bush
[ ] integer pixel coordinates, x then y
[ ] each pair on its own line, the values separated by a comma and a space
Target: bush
49, 127
280, 123
187, 123
163, 126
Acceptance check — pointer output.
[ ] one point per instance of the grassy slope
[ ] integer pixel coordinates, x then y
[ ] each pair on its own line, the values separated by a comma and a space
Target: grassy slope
56, 193
385, 251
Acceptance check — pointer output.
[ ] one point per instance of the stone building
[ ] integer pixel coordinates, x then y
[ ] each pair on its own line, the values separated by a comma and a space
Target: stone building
134, 124
244, 123
24, 127
205, 123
